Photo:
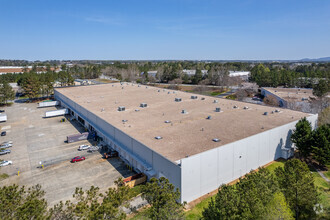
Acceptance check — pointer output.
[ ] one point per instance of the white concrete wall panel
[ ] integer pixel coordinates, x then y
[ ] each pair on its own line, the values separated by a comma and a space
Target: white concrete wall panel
209, 179
191, 178
225, 164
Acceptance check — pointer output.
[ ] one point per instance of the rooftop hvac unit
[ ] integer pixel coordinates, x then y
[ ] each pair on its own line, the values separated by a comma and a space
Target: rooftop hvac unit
122, 87
168, 92
137, 110
202, 98
235, 106
139, 86
215, 101
143, 105
246, 107
217, 109
265, 113
184, 111
193, 97
209, 117
216, 139
121, 108
277, 111
167, 121
158, 90
124, 120
158, 137
178, 99
113, 85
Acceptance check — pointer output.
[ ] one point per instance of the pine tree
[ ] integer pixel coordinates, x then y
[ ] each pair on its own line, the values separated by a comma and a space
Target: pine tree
297, 184
302, 137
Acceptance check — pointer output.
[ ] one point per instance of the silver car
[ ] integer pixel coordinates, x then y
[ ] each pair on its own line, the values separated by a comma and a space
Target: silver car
4, 151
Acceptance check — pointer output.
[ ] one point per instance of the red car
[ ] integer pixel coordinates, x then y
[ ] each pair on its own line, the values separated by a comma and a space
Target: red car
79, 158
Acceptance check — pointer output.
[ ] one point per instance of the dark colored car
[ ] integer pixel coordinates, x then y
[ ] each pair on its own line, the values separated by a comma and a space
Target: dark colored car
76, 159
2, 110
3, 133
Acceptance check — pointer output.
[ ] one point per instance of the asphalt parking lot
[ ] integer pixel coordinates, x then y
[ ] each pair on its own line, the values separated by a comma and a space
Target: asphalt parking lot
38, 139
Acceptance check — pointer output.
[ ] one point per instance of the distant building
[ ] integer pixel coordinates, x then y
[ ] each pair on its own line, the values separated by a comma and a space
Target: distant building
193, 72
293, 98
82, 82
241, 74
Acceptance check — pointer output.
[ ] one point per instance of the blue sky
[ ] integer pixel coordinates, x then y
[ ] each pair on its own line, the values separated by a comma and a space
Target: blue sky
164, 29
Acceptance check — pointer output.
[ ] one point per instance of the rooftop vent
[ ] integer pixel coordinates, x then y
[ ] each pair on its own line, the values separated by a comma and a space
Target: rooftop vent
113, 85
246, 107
102, 109
158, 90
146, 87
137, 110
143, 105
218, 109
193, 97
178, 99
124, 120
209, 117
167, 121
216, 139
276, 110
158, 137
202, 98
215, 101
168, 92
184, 111
122, 87
265, 113
121, 108
235, 106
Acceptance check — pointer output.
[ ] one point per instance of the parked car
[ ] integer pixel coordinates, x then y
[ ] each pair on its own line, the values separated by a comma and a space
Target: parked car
84, 147
3, 133
6, 142
6, 145
2, 152
93, 149
76, 159
5, 163
2, 110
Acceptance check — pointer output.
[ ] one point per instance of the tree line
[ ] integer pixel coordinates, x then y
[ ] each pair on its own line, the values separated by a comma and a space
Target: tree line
29, 203
300, 76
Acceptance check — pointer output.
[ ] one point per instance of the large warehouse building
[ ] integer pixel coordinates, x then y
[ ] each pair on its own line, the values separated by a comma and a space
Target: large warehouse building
197, 142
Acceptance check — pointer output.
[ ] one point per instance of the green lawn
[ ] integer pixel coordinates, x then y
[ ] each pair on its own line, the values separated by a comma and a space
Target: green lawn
196, 212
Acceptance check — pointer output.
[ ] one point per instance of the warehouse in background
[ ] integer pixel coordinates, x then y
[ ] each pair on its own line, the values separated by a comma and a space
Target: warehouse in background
197, 142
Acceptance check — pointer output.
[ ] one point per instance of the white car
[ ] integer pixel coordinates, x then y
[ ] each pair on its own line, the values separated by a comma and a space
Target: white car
5, 163
6, 145
84, 147
6, 142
